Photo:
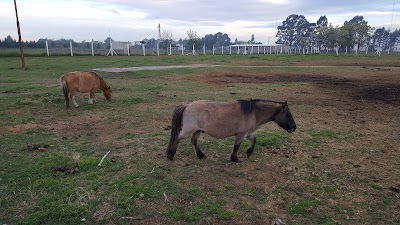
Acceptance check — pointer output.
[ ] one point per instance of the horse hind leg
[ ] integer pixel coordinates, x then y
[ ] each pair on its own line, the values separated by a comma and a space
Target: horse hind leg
72, 97
174, 145
194, 139
252, 139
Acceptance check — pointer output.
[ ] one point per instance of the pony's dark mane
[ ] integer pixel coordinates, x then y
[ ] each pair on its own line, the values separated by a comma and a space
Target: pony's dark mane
247, 106
103, 83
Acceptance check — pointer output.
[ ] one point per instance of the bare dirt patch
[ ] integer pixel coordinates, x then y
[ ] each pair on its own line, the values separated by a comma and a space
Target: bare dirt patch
22, 127
360, 109
359, 86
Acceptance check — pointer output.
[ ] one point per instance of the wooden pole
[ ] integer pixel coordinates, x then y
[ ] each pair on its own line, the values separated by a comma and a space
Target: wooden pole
70, 46
47, 48
92, 48
19, 37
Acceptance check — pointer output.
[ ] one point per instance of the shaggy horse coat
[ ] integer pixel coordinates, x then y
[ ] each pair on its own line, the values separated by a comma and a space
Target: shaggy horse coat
224, 119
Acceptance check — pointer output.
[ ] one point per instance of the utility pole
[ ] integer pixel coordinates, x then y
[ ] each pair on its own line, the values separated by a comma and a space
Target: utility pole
19, 37
159, 39
159, 31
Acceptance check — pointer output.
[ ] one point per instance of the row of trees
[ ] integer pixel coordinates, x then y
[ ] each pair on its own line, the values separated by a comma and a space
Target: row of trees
296, 31
219, 39
9, 42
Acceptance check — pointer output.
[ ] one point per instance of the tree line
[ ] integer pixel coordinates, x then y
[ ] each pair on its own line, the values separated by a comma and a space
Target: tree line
296, 31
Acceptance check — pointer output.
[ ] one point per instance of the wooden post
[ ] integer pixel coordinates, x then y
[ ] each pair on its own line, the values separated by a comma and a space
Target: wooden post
128, 48
19, 37
92, 48
158, 46
111, 48
47, 48
70, 46
144, 49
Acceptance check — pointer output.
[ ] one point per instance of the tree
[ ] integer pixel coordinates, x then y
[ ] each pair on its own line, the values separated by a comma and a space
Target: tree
319, 34
219, 39
166, 39
380, 39
355, 32
394, 39
295, 31
193, 39
9, 42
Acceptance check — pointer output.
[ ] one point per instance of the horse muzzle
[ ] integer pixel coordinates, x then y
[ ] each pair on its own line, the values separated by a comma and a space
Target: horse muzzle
291, 129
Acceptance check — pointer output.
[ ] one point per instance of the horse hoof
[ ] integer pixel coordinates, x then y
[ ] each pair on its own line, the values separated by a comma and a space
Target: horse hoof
170, 157
201, 155
235, 159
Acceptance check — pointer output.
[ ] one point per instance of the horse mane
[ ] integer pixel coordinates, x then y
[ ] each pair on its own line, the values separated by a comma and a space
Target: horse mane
247, 106
103, 83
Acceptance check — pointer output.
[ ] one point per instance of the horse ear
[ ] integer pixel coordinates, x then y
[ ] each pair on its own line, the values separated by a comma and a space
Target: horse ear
109, 87
284, 105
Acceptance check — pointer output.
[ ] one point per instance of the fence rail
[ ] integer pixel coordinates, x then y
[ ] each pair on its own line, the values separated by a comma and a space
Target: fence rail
225, 50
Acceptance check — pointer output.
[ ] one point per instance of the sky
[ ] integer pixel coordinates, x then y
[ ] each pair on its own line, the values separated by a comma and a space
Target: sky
135, 20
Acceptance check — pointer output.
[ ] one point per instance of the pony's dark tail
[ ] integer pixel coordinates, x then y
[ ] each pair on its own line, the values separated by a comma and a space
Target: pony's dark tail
65, 91
176, 128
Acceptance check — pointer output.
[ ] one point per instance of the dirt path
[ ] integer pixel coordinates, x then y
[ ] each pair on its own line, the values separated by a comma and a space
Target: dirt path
139, 68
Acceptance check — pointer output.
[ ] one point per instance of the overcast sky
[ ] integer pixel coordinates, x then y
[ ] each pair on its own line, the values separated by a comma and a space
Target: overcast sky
134, 20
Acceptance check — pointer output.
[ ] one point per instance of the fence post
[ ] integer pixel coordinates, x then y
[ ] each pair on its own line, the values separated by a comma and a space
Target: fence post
204, 49
92, 48
70, 45
47, 48
128, 48
158, 48
193, 52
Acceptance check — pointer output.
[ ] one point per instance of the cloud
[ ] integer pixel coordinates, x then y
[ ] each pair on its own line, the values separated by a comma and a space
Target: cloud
135, 20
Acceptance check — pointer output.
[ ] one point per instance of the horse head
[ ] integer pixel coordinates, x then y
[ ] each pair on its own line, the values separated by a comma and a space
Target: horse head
107, 93
285, 119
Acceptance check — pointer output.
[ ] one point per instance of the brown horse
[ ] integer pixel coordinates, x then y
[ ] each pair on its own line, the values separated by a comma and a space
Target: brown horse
224, 119
83, 82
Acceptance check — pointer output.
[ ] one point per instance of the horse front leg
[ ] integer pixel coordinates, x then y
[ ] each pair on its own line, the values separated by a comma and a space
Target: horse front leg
92, 98
252, 140
236, 146
194, 139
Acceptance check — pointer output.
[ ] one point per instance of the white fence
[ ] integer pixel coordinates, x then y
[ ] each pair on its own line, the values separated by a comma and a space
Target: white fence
137, 48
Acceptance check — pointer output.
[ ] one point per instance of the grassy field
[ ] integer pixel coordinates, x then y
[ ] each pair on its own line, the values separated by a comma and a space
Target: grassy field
341, 166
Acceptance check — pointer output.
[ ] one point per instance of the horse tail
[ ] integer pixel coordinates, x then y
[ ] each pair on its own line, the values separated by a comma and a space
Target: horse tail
176, 127
65, 90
